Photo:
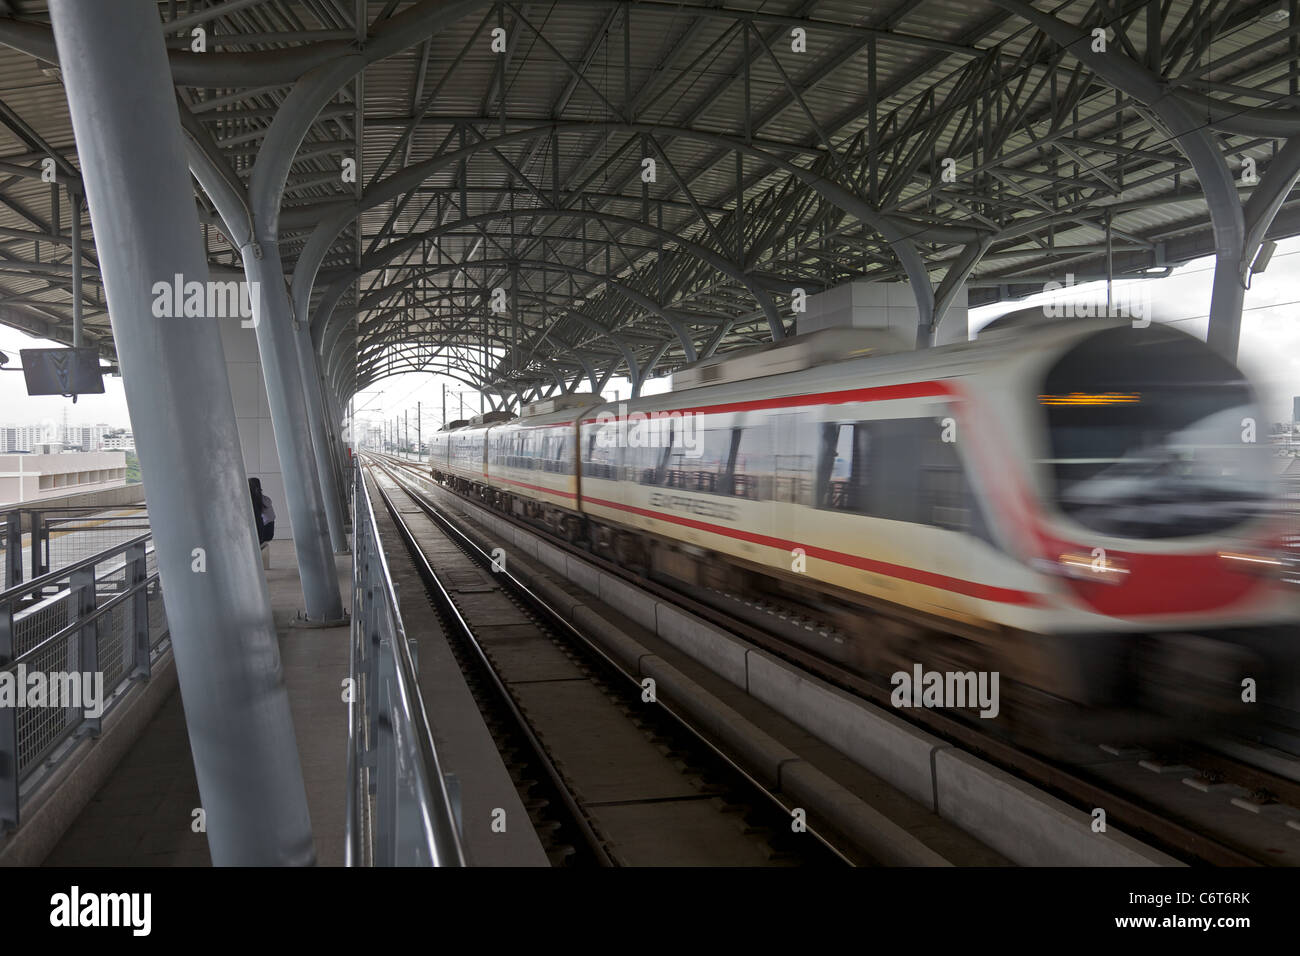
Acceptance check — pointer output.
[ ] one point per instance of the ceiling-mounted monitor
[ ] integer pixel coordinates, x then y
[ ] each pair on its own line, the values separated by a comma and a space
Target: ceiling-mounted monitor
62, 372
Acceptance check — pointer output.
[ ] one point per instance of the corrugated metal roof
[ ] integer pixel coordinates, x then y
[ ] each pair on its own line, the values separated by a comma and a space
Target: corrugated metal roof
1047, 156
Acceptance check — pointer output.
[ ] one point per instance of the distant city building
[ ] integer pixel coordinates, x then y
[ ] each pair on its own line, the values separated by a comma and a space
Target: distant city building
86, 437
38, 438
15, 438
33, 477
124, 441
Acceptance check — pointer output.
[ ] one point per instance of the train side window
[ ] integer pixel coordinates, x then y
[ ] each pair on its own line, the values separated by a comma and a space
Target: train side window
844, 469
878, 468
559, 455
945, 495
752, 465
795, 441
948, 498
532, 450
704, 472
602, 459
898, 466
644, 464
899, 469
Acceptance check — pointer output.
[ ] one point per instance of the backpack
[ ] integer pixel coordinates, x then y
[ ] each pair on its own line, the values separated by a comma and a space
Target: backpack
268, 518
255, 500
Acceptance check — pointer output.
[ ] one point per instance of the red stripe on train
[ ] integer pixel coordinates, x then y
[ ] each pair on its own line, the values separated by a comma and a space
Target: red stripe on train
524, 484
878, 393
942, 582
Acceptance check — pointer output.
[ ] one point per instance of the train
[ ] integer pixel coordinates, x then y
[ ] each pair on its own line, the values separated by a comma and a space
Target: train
1086, 507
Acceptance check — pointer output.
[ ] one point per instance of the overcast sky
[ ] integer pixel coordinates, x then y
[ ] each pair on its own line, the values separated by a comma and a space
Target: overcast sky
19, 408
1269, 353
1270, 323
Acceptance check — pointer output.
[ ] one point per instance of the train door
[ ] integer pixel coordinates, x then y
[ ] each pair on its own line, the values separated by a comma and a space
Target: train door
947, 513
793, 464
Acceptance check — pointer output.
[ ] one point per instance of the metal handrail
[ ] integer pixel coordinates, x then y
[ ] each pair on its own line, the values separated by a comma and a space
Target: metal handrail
47, 522
101, 610
415, 817
81, 616
51, 577
89, 509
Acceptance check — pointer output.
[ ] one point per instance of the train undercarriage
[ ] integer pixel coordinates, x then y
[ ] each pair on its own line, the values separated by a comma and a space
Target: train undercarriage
1125, 688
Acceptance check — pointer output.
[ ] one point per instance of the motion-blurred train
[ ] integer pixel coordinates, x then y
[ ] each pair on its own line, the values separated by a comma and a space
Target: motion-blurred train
1086, 507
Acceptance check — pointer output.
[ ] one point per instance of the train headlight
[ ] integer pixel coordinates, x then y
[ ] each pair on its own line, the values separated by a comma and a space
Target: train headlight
1097, 566
1268, 564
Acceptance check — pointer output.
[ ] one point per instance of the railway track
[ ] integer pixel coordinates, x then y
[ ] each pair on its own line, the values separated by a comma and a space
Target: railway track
608, 777
1128, 785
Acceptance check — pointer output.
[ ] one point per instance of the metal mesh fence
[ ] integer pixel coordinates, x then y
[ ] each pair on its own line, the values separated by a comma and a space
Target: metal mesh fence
38, 622
157, 615
73, 539
40, 729
112, 646
41, 647
66, 536
1291, 536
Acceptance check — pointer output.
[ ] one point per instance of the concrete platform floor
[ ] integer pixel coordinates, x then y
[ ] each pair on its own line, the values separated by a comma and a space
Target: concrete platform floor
142, 816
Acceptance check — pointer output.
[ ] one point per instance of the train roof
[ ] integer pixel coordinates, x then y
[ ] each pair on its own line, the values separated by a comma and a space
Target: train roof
572, 402
561, 417
1041, 342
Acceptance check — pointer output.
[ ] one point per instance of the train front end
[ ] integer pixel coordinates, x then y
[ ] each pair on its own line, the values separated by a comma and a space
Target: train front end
1153, 511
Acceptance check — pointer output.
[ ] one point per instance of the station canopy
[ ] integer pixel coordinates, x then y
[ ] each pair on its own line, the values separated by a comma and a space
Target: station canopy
534, 197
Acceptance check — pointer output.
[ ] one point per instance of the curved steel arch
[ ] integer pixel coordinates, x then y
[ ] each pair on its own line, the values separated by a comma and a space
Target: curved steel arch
1197, 144
496, 396
336, 344
899, 232
290, 64
393, 342
675, 323
578, 315
335, 322
358, 385
320, 58
383, 254
285, 66
368, 364
379, 257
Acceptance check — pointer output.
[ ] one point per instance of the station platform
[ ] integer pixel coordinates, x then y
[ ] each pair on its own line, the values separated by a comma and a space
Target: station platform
143, 815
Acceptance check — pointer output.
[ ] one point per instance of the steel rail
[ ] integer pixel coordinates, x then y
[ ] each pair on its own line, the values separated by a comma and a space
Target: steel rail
557, 620
1137, 817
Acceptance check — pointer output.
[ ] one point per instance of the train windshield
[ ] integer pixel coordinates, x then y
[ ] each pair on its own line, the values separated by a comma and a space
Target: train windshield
1154, 435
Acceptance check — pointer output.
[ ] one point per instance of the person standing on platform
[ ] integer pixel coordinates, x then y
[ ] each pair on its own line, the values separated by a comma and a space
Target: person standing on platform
268, 518
255, 496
